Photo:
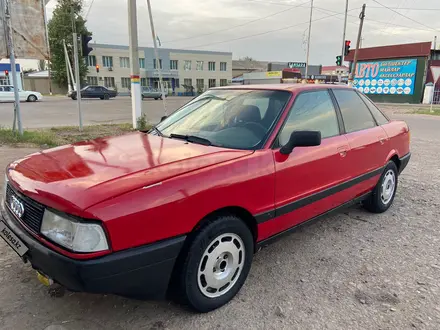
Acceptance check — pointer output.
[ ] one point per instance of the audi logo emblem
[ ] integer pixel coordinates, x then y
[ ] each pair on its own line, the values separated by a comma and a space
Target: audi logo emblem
16, 207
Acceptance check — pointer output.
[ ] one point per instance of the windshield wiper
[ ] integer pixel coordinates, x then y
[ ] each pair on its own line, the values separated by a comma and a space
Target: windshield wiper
192, 138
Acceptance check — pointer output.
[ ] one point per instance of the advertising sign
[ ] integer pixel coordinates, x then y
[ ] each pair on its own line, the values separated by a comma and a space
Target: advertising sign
274, 74
292, 65
386, 77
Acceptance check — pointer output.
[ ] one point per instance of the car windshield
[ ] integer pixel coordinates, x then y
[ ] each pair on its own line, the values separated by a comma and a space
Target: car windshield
238, 119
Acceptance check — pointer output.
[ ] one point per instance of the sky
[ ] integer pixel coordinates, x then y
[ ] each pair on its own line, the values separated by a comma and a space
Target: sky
266, 30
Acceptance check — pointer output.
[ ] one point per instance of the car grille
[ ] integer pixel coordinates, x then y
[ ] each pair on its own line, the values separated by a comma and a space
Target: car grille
33, 211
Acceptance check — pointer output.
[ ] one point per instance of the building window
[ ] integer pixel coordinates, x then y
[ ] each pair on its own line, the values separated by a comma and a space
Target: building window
155, 63
222, 66
177, 82
142, 63
107, 61
174, 65
200, 84
91, 60
187, 66
199, 65
124, 62
211, 83
211, 66
125, 82
143, 82
223, 82
187, 82
92, 80
109, 82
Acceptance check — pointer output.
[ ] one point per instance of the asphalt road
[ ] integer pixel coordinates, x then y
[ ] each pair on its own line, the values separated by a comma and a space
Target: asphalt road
354, 270
62, 111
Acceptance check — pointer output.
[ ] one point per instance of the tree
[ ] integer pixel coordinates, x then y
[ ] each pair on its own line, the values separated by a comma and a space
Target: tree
42, 65
247, 58
60, 28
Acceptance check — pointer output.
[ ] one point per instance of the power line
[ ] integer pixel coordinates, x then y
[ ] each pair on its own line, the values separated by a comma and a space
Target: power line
88, 11
400, 14
266, 32
240, 25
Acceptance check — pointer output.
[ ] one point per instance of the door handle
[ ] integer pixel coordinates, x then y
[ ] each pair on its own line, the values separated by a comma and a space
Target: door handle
342, 151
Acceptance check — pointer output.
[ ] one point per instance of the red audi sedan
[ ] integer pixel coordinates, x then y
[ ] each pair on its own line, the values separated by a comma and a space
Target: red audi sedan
180, 210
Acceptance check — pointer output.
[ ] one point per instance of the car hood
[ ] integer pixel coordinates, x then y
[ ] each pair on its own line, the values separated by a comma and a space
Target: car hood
74, 177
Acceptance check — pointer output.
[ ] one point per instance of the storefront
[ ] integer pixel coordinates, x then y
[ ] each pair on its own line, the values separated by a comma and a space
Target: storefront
393, 74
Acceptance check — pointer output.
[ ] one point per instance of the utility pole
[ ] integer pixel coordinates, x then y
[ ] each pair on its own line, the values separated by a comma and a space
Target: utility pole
17, 113
77, 78
66, 57
136, 105
353, 68
156, 55
308, 40
343, 33
48, 48
435, 42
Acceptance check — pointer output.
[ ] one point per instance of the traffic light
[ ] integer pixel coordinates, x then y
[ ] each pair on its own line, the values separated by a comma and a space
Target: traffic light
97, 68
85, 45
338, 60
6, 73
347, 47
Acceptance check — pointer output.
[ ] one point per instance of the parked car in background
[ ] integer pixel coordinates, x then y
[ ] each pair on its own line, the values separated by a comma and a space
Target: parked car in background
7, 95
149, 93
182, 209
95, 92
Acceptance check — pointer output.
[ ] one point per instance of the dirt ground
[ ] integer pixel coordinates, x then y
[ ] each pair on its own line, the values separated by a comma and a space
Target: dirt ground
354, 270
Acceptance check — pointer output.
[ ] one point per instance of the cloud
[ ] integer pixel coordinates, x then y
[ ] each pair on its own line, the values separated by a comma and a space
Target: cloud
192, 24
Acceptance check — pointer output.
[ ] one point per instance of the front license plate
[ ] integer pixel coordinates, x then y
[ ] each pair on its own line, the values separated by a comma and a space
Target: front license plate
12, 239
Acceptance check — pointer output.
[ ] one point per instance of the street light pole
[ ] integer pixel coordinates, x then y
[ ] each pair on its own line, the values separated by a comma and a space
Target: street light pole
343, 32
136, 99
308, 40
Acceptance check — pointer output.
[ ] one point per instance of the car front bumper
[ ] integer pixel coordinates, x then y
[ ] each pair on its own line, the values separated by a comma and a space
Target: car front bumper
142, 272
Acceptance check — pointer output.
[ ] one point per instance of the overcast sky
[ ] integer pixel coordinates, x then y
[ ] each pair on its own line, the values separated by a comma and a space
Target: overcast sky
213, 24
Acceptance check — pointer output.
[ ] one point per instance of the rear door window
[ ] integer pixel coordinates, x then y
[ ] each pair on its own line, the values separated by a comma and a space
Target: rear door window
377, 114
355, 113
312, 111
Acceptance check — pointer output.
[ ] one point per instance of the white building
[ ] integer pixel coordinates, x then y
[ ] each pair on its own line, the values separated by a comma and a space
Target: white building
180, 68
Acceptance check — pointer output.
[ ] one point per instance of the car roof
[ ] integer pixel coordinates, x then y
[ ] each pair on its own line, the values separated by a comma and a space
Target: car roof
286, 87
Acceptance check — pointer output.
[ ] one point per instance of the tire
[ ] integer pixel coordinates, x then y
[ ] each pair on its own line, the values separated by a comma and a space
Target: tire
106, 97
383, 194
73, 97
156, 98
227, 244
32, 98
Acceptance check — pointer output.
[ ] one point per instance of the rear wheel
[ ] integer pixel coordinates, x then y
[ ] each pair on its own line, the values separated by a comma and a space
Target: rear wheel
73, 97
216, 264
32, 98
383, 194
106, 97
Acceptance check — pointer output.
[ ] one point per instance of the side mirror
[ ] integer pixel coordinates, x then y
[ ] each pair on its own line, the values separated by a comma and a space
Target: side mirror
301, 139
163, 118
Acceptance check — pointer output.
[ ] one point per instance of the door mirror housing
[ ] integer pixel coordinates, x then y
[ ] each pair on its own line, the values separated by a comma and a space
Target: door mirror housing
301, 139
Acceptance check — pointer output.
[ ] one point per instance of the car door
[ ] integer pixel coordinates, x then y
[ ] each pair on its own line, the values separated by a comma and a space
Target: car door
308, 180
369, 143
8, 94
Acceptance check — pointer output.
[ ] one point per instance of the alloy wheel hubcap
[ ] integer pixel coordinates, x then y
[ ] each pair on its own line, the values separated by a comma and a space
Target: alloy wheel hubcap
221, 265
388, 186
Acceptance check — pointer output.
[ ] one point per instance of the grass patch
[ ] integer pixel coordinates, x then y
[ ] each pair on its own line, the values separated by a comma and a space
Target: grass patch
57, 136
427, 111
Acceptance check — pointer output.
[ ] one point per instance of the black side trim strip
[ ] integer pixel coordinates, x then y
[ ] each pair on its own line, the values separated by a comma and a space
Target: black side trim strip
337, 209
315, 197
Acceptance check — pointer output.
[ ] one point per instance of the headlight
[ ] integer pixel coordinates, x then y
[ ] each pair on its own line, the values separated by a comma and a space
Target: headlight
76, 236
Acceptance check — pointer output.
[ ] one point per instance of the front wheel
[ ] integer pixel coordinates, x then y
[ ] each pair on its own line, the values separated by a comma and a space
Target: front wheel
32, 98
106, 97
217, 263
383, 194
